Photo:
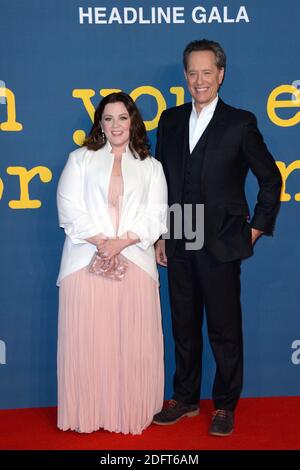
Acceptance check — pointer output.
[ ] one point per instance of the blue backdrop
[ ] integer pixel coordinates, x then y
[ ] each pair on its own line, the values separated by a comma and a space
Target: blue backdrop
57, 58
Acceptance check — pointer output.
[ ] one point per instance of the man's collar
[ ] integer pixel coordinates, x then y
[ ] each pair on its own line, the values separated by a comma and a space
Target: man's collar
210, 108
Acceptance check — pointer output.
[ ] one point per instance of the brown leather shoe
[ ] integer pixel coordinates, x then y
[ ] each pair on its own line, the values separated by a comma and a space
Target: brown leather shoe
222, 423
174, 412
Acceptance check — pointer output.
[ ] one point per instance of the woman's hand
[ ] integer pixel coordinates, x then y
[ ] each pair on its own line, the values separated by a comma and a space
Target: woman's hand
110, 264
110, 248
96, 239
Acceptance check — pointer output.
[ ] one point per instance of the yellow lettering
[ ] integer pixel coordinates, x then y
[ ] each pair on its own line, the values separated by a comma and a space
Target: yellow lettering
11, 124
178, 91
25, 177
107, 91
1, 188
161, 103
85, 96
285, 173
274, 104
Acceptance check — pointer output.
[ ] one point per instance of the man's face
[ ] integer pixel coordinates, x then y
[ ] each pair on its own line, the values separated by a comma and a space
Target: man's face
203, 77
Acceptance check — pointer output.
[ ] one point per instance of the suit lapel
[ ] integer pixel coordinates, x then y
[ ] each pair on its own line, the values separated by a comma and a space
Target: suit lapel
182, 140
216, 128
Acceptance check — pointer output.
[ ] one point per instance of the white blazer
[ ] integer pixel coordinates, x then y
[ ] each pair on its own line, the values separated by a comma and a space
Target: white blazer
82, 201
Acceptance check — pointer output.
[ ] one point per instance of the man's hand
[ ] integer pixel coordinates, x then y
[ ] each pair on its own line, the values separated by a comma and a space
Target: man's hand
160, 253
255, 234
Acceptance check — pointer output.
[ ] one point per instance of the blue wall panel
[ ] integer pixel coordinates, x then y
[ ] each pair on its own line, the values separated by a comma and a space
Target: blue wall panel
46, 54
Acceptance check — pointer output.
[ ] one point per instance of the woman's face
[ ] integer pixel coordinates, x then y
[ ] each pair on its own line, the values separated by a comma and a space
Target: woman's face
115, 124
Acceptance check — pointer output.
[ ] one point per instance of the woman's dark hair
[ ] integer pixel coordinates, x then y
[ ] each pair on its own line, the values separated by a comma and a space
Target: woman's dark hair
138, 140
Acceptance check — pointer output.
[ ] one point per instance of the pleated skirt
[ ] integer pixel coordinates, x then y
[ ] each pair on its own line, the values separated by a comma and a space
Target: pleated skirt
110, 352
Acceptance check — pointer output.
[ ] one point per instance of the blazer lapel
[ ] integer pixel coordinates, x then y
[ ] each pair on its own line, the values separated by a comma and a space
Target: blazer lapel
217, 125
181, 132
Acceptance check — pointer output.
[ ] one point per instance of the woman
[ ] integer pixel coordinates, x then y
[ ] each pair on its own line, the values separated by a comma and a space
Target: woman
110, 345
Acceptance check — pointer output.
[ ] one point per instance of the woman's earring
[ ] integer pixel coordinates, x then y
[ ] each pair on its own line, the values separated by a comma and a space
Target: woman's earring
103, 136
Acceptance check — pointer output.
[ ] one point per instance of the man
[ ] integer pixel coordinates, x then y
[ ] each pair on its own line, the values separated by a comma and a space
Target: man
206, 148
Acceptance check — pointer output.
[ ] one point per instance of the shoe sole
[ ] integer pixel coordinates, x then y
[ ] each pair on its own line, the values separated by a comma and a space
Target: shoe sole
190, 414
219, 434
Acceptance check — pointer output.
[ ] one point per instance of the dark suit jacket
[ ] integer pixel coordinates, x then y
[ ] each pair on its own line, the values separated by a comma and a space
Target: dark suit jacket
234, 145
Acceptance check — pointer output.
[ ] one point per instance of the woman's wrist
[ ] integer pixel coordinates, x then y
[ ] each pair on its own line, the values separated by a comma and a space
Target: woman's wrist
123, 243
127, 239
96, 239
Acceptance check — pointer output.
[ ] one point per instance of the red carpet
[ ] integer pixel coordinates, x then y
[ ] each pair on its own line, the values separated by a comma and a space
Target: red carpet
262, 423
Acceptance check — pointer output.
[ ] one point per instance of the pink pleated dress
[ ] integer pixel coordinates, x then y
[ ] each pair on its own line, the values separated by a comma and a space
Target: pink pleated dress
110, 347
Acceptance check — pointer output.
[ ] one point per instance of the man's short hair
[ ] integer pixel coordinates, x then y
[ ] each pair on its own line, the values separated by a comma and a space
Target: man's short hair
205, 45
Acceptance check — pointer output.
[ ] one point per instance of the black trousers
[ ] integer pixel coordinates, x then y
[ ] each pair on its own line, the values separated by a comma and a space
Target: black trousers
197, 280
